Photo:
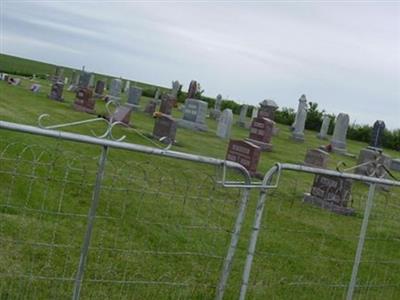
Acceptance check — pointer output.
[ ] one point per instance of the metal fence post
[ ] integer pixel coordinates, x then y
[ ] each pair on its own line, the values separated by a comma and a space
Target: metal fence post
361, 241
90, 223
233, 245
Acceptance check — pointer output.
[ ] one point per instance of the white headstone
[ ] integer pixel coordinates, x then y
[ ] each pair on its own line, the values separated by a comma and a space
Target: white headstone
339, 134
301, 116
225, 124
323, 133
254, 113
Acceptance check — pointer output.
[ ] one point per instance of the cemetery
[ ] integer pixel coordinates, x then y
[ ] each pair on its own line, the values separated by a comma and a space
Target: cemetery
307, 209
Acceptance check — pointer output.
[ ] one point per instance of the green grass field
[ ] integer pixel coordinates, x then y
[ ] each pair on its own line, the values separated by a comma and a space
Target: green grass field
163, 225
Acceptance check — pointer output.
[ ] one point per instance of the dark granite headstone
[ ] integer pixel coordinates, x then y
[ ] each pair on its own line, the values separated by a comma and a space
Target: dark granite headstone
245, 153
377, 134
151, 107
84, 79
316, 158
99, 89
165, 126
261, 131
84, 101
192, 89
331, 193
57, 91
134, 95
167, 104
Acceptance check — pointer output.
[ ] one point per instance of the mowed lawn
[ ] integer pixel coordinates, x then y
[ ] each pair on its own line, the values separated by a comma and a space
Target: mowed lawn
163, 226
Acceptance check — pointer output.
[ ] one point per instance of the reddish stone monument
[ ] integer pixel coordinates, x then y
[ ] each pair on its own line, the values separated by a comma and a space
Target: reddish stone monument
84, 101
122, 114
316, 158
261, 131
165, 127
245, 153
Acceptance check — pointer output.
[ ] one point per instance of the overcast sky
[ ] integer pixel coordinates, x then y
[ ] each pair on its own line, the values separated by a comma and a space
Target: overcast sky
344, 56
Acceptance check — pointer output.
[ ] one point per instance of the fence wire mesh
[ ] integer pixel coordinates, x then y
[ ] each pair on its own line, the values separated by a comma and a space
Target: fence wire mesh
307, 252
162, 228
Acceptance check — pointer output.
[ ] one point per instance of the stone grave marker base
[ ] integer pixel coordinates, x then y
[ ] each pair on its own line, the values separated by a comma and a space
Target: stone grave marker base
192, 125
346, 211
264, 147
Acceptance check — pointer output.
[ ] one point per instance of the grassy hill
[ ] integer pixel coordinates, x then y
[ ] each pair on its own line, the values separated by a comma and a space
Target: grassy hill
163, 226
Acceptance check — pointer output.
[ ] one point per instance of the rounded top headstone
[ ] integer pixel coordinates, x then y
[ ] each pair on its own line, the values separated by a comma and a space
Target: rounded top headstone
303, 98
269, 102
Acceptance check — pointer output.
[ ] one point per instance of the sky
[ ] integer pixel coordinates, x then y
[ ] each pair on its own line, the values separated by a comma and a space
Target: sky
345, 56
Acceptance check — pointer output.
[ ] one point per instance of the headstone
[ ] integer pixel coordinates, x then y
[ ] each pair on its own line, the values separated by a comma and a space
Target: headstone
134, 95
301, 116
225, 124
245, 153
323, 133
84, 79
65, 80
35, 87
58, 76
316, 158
165, 127
192, 91
267, 109
157, 94
3, 76
99, 89
167, 103
194, 115
151, 107
395, 165
122, 114
114, 93
378, 161
127, 86
377, 134
254, 113
91, 81
175, 88
14, 81
242, 117
84, 101
331, 193
261, 131
57, 91
338, 141
216, 112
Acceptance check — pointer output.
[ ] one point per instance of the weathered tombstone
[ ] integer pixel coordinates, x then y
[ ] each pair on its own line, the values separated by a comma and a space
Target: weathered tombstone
134, 95
14, 81
91, 81
157, 94
122, 114
372, 162
338, 141
267, 109
165, 127
35, 88
192, 91
99, 89
194, 115
245, 153
151, 107
242, 117
167, 103
84, 101
114, 93
395, 165
301, 116
3, 76
254, 112
57, 91
225, 124
127, 86
323, 133
331, 193
84, 79
261, 131
316, 158
216, 112
65, 80
377, 134
175, 89
58, 75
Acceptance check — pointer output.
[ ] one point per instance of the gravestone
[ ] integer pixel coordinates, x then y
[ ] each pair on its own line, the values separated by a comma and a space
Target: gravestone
175, 89
395, 165
254, 112
267, 109
300, 120
323, 133
242, 117
165, 127
58, 76
192, 91
194, 115
122, 114
377, 134
157, 94
261, 131
14, 81
151, 107
225, 124
377, 159
56, 92
84, 79
114, 94
127, 86
245, 153
216, 112
167, 102
134, 95
91, 81
65, 80
35, 88
316, 158
331, 193
99, 89
84, 101
338, 141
